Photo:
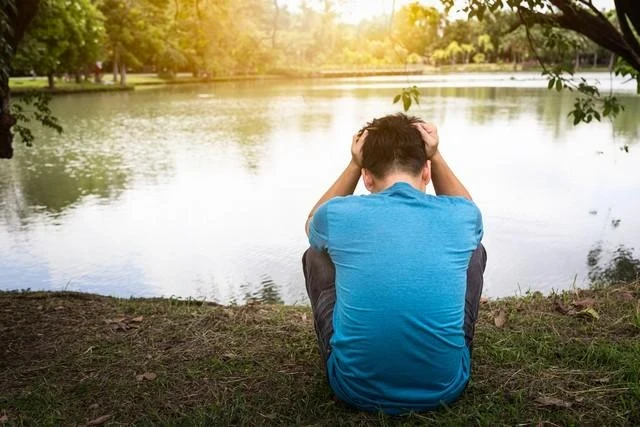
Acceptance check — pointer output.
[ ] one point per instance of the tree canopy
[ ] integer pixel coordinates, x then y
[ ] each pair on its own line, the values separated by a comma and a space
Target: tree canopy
617, 31
220, 37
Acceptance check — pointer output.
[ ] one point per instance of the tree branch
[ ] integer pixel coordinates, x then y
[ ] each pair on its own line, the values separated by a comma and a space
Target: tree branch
25, 12
633, 14
594, 9
622, 10
531, 44
594, 27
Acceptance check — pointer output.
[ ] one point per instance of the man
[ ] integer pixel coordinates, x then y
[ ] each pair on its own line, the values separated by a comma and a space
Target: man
395, 277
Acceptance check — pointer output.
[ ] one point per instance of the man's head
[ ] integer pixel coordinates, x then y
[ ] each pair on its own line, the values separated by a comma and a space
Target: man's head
393, 146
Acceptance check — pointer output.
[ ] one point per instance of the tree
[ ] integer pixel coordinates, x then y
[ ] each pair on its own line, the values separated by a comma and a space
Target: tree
484, 43
14, 19
620, 36
516, 45
439, 56
416, 27
467, 50
135, 30
63, 37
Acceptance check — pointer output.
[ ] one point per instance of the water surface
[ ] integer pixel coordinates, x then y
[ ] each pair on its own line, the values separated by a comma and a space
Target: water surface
203, 191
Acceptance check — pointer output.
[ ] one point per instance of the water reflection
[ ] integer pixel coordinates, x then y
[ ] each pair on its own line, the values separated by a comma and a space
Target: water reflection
267, 292
620, 266
202, 191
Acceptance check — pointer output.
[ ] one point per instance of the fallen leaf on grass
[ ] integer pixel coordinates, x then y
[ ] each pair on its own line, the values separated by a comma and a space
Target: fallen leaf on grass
501, 319
149, 376
119, 326
124, 324
561, 308
100, 420
589, 313
304, 317
553, 401
94, 406
584, 303
4, 419
58, 308
627, 296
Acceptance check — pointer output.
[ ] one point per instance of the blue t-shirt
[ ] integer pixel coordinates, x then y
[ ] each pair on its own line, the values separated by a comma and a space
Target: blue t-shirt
401, 258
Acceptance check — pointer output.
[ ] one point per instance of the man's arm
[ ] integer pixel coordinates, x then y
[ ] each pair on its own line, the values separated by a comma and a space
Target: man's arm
346, 183
445, 182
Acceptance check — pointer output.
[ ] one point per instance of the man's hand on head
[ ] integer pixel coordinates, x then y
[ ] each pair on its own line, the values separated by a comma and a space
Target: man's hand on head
356, 147
429, 134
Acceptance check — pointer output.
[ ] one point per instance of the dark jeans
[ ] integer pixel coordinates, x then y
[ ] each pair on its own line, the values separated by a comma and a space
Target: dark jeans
320, 278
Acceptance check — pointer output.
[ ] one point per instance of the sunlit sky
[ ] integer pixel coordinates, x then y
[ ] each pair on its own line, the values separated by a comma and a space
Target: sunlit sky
353, 11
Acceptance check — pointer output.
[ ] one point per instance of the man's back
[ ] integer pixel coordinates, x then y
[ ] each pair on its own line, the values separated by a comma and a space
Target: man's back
401, 258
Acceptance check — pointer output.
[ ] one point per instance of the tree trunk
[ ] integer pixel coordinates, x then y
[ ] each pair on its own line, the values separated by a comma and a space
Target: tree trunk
595, 59
274, 29
116, 60
576, 66
51, 81
612, 62
6, 120
78, 77
20, 17
123, 74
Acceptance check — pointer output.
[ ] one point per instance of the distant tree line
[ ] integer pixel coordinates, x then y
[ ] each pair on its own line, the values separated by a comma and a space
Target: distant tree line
82, 38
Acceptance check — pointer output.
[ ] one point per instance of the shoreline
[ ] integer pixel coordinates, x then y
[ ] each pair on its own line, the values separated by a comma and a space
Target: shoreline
72, 358
22, 85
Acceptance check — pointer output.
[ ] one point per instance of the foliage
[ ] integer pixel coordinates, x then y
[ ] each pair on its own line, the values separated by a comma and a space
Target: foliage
33, 106
65, 36
614, 32
408, 96
415, 27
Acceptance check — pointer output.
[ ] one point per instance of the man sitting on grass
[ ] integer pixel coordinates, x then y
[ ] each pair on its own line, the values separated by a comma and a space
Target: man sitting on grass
395, 277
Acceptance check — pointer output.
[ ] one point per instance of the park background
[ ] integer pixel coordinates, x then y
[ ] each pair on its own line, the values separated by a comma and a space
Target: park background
197, 134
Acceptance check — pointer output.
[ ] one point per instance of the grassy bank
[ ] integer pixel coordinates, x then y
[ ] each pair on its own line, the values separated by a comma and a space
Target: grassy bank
68, 359
21, 85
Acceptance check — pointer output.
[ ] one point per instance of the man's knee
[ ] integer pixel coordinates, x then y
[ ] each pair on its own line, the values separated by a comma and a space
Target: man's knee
319, 272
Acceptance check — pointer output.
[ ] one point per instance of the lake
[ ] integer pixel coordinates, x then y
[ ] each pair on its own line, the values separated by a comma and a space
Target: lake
203, 190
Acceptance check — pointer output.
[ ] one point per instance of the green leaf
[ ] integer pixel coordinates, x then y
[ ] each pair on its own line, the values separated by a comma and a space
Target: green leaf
397, 98
552, 81
406, 102
558, 85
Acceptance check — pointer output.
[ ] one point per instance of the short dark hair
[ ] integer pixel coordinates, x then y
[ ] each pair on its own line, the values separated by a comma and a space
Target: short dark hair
393, 143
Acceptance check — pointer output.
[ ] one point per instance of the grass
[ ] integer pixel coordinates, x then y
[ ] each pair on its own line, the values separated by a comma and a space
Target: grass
20, 85
69, 358
23, 84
